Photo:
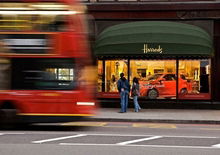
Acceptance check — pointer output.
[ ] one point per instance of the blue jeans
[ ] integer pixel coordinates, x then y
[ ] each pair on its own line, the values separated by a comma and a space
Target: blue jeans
124, 100
136, 105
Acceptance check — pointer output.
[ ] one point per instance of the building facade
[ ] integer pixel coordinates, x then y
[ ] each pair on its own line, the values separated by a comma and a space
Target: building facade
173, 47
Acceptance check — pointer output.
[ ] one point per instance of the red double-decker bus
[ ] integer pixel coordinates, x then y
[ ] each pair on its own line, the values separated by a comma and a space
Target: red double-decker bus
45, 62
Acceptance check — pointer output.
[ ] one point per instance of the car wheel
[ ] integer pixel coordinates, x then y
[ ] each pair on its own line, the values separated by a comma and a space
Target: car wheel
183, 91
152, 94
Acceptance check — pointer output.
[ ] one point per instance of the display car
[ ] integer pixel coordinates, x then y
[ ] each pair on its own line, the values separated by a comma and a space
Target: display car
164, 86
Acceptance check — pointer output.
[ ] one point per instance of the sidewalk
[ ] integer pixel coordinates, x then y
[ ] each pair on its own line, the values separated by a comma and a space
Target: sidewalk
159, 116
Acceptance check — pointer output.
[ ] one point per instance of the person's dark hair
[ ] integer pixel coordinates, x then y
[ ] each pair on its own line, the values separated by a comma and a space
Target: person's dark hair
122, 75
135, 80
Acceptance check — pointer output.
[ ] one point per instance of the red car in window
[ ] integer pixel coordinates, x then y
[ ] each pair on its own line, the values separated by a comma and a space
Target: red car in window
164, 86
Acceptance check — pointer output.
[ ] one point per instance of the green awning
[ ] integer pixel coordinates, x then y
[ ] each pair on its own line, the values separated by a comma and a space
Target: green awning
154, 38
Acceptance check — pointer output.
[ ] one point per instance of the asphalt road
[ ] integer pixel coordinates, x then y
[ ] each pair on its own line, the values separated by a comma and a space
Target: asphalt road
98, 138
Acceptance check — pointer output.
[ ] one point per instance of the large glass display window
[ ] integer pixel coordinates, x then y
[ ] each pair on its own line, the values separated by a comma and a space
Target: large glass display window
194, 79
113, 68
100, 75
157, 78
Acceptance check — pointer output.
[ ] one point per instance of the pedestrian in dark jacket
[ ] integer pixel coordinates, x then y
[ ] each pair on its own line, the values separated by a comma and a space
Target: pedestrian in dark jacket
135, 92
124, 89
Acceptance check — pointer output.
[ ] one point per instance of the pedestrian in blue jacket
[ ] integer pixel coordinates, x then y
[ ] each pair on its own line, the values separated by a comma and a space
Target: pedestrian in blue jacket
124, 89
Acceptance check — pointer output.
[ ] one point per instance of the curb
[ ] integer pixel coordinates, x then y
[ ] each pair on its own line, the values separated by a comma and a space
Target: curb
154, 120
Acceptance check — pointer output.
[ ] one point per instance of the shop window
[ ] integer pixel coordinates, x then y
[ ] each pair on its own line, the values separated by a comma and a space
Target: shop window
194, 78
157, 78
100, 75
113, 68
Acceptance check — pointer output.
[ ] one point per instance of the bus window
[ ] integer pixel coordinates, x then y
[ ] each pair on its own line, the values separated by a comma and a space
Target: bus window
51, 23
58, 24
57, 74
35, 18
4, 74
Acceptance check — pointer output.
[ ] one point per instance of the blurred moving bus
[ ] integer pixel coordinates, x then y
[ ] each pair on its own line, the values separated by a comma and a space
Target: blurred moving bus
46, 72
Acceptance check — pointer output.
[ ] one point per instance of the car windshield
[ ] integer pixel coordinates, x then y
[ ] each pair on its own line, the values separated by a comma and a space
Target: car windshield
154, 77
